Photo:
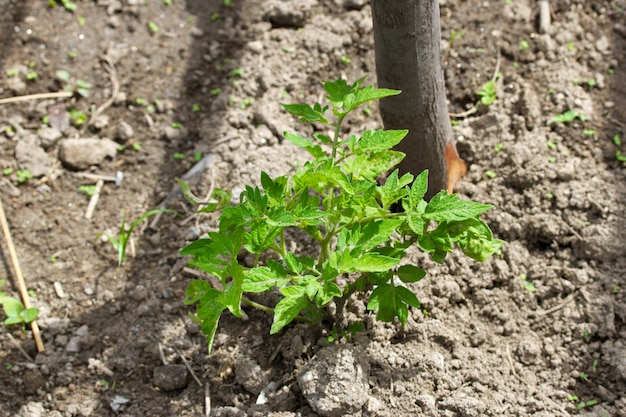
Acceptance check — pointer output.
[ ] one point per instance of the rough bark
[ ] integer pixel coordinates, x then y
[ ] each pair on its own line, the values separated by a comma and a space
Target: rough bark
408, 58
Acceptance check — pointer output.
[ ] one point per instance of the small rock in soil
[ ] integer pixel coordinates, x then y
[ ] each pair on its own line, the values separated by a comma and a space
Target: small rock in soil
48, 136
464, 405
32, 409
31, 156
175, 134
335, 381
124, 132
289, 14
228, 412
170, 377
249, 375
82, 153
33, 380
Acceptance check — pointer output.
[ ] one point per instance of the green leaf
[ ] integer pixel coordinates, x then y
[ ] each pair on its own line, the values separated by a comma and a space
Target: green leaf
30, 314
370, 165
196, 290
394, 189
231, 296
306, 113
418, 190
322, 175
444, 206
288, 308
264, 278
475, 239
261, 237
392, 301
306, 144
12, 306
373, 262
379, 140
410, 273
209, 311
276, 190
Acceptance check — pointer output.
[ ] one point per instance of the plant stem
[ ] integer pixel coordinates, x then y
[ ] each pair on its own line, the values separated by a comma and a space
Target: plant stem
336, 137
256, 305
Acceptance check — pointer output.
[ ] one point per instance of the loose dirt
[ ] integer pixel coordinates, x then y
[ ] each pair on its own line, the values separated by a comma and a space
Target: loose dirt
538, 331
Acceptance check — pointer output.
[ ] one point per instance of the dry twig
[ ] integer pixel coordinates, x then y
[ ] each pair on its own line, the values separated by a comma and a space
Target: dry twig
20, 278
188, 366
94, 200
40, 96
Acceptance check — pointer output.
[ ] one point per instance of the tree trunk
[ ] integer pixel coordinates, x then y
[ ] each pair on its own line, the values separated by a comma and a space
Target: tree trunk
408, 58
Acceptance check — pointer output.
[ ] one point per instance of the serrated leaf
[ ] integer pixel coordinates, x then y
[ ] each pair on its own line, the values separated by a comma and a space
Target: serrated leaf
262, 279
379, 140
337, 90
370, 165
276, 190
209, 314
475, 239
288, 308
261, 237
321, 176
418, 190
392, 301
410, 273
196, 290
280, 217
306, 144
393, 189
373, 262
306, 113
448, 207
233, 290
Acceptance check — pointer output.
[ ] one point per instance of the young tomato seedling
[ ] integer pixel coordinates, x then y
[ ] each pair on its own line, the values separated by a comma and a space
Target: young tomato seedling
361, 236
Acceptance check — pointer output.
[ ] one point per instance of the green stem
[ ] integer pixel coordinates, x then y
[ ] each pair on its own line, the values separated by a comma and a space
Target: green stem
336, 137
256, 305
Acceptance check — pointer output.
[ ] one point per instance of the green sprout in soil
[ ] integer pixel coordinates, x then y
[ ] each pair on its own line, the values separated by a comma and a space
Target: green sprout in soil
361, 228
7, 171
589, 132
620, 157
195, 107
488, 93
153, 27
197, 156
72, 54
523, 45
87, 189
237, 72
568, 116
31, 75
528, 285
246, 102
120, 241
617, 140
498, 147
215, 91
81, 21
178, 155
490, 174
176, 125
78, 117
551, 145
14, 309
345, 59
23, 175
215, 16
454, 35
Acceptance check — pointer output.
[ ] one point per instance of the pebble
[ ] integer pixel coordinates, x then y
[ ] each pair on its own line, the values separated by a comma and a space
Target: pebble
335, 381
32, 409
31, 156
124, 132
170, 377
249, 375
175, 134
82, 153
48, 136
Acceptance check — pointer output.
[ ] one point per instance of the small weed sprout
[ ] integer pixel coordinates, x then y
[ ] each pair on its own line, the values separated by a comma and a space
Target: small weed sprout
123, 235
14, 309
360, 236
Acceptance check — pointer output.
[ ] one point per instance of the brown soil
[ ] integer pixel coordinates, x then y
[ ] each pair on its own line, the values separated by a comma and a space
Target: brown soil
491, 344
